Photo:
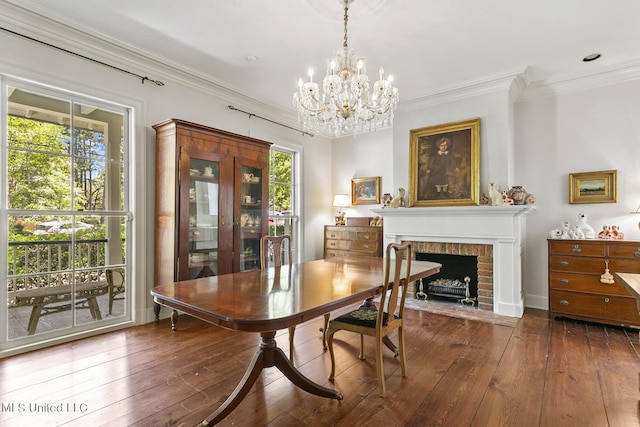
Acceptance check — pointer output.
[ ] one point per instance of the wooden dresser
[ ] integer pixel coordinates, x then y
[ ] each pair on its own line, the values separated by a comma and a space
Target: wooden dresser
575, 289
346, 240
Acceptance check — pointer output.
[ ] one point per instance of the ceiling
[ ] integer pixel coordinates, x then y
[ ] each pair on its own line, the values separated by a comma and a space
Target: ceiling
260, 48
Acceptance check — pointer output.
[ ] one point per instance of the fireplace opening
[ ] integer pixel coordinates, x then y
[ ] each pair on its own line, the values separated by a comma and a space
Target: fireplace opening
457, 279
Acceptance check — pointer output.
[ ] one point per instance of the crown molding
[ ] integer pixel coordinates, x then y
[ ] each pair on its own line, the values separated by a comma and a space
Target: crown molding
468, 89
615, 74
103, 48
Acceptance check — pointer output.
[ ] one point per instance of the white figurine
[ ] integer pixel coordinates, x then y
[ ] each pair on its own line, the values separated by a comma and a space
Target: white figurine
398, 201
494, 194
587, 230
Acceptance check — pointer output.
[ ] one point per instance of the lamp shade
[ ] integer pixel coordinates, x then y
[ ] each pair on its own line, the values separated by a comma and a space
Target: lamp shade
341, 201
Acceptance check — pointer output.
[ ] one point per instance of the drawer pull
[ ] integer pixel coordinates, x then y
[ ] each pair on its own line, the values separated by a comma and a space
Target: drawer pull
366, 246
564, 302
564, 281
576, 249
366, 237
606, 300
332, 244
637, 253
333, 235
564, 263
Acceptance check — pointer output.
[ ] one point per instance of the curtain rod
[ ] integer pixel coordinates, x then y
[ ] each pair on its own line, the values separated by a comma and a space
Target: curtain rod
143, 78
231, 107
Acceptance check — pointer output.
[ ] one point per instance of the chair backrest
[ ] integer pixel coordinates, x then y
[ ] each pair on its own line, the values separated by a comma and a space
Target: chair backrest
276, 249
395, 287
115, 277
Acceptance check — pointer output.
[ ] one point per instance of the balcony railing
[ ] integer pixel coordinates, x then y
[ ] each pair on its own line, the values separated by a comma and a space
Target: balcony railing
41, 264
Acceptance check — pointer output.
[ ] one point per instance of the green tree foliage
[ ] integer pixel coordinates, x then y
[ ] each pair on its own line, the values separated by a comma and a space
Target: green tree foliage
38, 167
280, 169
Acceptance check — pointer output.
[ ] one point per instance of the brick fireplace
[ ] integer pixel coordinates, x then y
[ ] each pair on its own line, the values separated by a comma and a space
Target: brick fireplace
495, 234
482, 253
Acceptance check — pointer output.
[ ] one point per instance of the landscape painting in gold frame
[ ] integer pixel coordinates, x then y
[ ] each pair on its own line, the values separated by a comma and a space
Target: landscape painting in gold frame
593, 187
444, 165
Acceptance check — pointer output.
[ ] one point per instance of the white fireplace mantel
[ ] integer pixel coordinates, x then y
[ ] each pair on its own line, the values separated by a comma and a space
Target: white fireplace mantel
500, 226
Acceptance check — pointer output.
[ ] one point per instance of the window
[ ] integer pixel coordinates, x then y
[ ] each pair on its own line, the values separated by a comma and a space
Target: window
66, 205
283, 210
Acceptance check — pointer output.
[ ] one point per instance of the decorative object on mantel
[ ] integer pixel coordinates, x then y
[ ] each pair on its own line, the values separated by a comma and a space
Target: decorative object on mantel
611, 232
606, 277
517, 194
494, 194
444, 164
345, 105
593, 187
386, 200
398, 201
340, 201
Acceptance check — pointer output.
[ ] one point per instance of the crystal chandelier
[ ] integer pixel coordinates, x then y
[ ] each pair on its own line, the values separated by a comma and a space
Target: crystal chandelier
345, 105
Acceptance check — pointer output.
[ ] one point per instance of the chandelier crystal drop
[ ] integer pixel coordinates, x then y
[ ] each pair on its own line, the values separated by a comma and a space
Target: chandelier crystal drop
345, 105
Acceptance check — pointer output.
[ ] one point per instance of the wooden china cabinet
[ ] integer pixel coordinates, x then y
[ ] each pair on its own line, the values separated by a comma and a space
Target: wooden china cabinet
211, 201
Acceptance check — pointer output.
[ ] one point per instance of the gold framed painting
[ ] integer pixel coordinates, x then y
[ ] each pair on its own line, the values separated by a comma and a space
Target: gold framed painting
365, 191
444, 164
593, 187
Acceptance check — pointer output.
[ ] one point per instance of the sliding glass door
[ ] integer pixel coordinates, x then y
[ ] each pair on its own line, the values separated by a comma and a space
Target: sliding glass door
65, 204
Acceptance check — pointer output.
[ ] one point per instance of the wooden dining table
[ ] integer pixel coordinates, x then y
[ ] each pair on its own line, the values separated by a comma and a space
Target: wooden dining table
265, 301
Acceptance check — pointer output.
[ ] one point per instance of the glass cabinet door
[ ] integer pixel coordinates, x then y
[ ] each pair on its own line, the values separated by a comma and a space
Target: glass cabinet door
203, 217
251, 216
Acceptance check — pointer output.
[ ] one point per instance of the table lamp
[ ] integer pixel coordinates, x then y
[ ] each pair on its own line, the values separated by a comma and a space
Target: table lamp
340, 201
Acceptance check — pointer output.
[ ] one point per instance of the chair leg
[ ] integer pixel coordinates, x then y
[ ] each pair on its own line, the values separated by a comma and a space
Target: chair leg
110, 302
403, 362
292, 331
380, 367
33, 319
330, 333
324, 331
361, 355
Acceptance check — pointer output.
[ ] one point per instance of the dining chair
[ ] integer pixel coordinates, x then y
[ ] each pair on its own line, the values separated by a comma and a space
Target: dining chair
379, 322
276, 251
115, 282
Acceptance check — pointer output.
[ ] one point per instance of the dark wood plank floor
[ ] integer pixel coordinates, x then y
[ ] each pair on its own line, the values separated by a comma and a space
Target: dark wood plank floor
461, 373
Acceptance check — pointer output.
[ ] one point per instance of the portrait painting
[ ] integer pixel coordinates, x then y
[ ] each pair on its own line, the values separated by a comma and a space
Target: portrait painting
444, 164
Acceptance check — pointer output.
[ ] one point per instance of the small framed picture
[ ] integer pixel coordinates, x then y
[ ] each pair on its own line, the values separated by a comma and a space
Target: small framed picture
593, 187
365, 191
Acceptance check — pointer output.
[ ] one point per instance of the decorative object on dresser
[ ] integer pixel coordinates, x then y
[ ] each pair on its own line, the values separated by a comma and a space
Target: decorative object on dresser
365, 191
593, 187
444, 165
580, 285
352, 241
340, 201
210, 188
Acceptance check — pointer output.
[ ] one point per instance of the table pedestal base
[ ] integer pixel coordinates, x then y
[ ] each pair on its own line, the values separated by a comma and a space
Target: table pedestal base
268, 355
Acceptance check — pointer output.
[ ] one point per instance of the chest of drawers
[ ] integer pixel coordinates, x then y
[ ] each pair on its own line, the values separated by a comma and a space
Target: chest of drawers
345, 240
575, 289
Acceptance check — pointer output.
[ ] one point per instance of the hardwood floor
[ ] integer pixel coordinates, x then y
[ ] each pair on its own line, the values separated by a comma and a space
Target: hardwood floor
461, 373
